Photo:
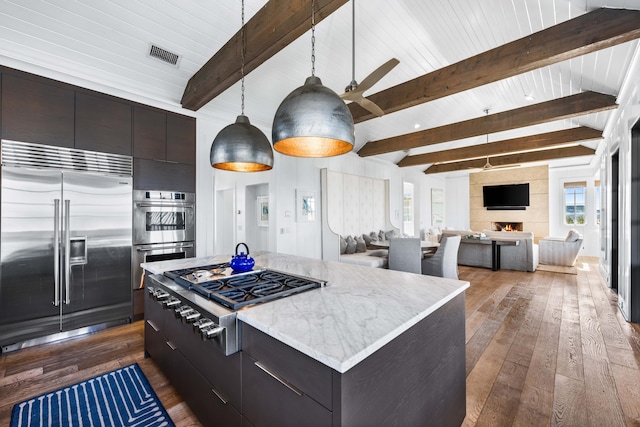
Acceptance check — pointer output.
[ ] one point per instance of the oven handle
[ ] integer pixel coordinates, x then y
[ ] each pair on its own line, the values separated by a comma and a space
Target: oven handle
190, 245
165, 205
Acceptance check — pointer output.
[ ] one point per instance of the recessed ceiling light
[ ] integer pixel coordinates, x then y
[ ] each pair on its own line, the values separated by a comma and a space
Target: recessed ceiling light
416, 126
530, 97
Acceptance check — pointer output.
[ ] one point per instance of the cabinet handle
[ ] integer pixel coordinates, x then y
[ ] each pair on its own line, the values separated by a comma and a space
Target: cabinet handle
171, 346
279, 379
218, 395
152, 325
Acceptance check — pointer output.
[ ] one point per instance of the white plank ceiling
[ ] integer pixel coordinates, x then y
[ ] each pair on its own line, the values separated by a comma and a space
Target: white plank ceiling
107, 42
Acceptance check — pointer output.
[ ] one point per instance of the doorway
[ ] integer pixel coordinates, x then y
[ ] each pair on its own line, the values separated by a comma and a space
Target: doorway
257, 217
225, 222
633, 288
615, 182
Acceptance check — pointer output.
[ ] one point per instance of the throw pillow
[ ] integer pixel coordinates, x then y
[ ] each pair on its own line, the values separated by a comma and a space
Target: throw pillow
381, 235
343, 245
351, 245
374, 236
572, 236
389, 235
360, 244
367, 239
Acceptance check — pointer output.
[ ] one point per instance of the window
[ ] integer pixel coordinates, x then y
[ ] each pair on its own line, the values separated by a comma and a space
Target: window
597, 185
574, 202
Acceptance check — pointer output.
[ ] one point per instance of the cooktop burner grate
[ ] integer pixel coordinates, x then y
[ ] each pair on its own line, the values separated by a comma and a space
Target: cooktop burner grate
239, 290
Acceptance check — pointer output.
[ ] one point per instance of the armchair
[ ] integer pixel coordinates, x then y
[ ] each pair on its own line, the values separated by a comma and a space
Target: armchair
444, 263
560, 251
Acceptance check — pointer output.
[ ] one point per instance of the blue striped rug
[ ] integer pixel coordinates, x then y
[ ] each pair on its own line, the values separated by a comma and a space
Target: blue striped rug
123, 397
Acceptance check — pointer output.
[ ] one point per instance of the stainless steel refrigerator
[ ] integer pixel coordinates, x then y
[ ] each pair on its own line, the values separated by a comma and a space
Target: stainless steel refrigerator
65, 242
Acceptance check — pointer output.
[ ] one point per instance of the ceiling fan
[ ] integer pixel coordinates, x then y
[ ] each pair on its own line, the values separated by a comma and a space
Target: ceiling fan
354, 91
488, 166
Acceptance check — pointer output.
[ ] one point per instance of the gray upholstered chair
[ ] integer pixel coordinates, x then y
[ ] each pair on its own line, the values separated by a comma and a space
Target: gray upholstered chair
444, 263
405, 254
562, 251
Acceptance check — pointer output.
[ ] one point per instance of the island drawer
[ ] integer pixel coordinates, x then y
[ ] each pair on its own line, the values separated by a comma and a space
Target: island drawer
306, 374
270, 400
206, 402
223, 372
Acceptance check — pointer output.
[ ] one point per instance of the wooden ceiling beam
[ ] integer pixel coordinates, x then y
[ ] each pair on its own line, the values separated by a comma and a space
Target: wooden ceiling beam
593, 31
543, 112
273, 27
526, 143
513, 159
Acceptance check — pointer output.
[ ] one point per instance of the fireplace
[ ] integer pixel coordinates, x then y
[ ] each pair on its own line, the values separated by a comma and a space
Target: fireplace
507, 226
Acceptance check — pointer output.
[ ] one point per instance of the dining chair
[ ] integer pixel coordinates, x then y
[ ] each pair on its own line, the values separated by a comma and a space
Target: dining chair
405, 254
444, 263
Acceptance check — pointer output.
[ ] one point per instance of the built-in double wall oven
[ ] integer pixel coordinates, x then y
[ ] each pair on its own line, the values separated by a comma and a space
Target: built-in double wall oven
164, 228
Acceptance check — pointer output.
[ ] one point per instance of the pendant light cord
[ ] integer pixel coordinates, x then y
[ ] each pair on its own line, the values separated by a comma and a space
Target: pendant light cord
242, 62
313, 37
353, 40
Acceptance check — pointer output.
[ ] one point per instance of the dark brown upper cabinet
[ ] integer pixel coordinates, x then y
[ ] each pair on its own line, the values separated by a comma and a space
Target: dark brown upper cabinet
164, 136
181, 139
103, 124
149, 134
37, 112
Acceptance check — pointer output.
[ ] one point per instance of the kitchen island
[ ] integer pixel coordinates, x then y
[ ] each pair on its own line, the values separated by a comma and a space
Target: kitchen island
372, 347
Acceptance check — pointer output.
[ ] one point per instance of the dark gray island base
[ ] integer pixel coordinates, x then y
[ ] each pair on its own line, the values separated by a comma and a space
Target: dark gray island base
416, 378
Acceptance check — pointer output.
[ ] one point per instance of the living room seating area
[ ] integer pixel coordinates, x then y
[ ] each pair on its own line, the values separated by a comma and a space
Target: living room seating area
522, 255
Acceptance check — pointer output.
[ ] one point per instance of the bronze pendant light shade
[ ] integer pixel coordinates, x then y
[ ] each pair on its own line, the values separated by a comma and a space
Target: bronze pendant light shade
313, 121
241, 147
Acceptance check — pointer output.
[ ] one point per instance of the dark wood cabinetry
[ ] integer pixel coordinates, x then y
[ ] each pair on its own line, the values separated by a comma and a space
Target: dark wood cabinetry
164, 150
269, 401
158, 175
181, 136
172, 345
103, 124
418, 378
33, 111
39, 110
149, 134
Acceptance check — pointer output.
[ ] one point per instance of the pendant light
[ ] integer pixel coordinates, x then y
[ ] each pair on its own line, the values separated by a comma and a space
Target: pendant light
241, 147
312, 121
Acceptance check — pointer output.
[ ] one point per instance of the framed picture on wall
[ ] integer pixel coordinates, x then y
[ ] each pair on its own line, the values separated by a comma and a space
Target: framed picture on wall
305, 206
263, 211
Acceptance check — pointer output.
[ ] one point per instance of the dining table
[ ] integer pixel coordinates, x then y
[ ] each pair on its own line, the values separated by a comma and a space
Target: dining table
425, 245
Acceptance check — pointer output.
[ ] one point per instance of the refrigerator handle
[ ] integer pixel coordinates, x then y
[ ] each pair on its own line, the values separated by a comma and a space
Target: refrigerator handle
56, 252
67, 251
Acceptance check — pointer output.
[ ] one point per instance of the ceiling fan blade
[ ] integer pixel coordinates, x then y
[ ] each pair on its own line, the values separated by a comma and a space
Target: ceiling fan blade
370, 106
377, 74
353, 95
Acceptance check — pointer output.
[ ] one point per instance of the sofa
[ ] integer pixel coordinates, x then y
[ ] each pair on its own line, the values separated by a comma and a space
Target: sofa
359, 251
521, 257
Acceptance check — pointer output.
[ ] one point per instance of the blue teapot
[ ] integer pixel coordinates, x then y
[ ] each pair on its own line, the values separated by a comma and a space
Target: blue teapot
241, 262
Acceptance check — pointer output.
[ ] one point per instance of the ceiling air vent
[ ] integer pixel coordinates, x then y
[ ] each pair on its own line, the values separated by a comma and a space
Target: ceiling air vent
164, 55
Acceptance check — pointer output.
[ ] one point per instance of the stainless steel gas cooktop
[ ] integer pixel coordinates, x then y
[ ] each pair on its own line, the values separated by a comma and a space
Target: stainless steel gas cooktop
220, 284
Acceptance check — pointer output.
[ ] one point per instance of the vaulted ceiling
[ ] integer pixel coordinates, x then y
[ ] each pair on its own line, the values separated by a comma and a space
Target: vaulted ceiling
547, 71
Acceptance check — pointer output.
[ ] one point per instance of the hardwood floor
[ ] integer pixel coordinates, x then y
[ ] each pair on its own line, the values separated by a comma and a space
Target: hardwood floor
542, 349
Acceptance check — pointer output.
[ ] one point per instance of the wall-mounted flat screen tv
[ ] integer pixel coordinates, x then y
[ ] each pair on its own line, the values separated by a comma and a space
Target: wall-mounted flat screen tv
506, 197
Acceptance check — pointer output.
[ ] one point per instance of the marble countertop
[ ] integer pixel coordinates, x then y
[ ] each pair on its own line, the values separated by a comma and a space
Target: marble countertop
359, 310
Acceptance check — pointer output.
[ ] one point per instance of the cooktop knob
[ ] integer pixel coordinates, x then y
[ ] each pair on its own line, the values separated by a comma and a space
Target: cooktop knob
171, 302
211, 331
